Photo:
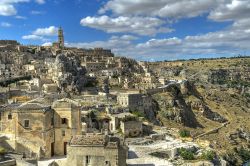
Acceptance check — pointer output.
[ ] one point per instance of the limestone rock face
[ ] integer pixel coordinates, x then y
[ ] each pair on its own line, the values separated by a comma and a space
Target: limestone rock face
207, 112
188, 88
174, 107
68, 73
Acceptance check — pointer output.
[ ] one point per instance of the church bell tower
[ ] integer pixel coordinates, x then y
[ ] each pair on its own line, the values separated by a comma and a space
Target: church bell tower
60, 37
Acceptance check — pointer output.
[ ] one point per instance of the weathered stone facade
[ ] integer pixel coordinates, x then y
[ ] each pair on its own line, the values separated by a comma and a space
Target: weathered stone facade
39, 130
67, 123
96, 150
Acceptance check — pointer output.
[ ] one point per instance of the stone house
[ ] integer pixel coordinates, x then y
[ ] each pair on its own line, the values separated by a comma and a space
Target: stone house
114, 123
35, 84
67, 122
49, 88
130, 99
135, 101
94, 66
39, 130
96, 150
131, 126
30, 128
6, 118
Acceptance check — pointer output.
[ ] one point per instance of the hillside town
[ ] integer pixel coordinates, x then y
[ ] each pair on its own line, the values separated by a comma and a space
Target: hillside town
65, 106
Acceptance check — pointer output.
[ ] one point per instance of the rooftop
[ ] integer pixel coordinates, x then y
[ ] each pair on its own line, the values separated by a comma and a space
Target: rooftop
89, 139
33, 106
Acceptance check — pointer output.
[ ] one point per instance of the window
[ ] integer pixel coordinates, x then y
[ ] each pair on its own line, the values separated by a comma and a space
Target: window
87, 160
63, 133
64, 120
52, 121
26, 123
107, 163
9, 116
116, 158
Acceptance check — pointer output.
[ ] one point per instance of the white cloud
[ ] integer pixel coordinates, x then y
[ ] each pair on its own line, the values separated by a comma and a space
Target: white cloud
36, 12
32, 37
128, 37
231, 41
163, 8
50, 31
7, 7
156, 43
7, 10
47, 44
21, 17
132, 16
40, 1
135, 25
42, 34
231, 10
5, 24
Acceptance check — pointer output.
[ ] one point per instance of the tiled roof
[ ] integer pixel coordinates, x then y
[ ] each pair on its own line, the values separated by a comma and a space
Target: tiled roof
8, 107
33, 106
90, 139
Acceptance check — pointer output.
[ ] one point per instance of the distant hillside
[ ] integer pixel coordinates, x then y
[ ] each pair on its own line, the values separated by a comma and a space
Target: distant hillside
214, 104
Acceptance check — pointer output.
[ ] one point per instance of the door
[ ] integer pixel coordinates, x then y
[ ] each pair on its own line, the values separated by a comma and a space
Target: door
52, 149
65, 148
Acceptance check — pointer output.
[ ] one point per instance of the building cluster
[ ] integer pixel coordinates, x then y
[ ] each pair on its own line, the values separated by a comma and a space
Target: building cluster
81, 103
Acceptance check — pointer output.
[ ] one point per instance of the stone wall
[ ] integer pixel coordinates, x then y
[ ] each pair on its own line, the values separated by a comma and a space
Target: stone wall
97, 155
131, 128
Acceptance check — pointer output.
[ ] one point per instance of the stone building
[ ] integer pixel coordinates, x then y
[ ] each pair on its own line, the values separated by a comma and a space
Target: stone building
96, 150
130, 99
114, 123
93, 66
39, 130
30, 127
67, 122
135, 101
50, 88
131, 126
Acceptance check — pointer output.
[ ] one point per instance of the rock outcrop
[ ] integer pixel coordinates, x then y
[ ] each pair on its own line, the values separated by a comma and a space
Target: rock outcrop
207, 112
69, 74
174, 107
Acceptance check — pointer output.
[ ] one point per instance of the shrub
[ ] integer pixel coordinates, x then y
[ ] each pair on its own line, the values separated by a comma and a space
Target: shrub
129, 118
184, 133
186, 154
162, 155
208, 155
137, 113
244, 154
2, 151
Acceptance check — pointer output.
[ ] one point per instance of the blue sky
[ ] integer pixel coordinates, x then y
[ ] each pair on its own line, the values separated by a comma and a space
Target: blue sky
142, 29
